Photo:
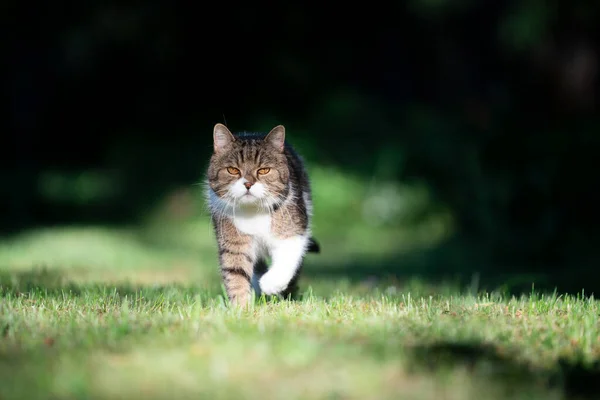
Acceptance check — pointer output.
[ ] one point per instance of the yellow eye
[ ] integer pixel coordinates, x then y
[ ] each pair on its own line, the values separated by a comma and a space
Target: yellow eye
264, 171
233, 171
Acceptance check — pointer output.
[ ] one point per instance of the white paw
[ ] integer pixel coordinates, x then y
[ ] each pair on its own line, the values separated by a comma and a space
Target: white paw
273, 284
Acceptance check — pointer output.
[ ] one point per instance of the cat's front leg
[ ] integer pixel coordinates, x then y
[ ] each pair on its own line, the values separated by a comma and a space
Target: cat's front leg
236, 256
286, 255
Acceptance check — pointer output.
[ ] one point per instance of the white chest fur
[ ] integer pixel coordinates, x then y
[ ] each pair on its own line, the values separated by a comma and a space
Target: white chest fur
255, 224
259, 227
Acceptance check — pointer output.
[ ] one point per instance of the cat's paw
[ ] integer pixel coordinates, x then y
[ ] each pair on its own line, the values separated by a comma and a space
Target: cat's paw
273, 284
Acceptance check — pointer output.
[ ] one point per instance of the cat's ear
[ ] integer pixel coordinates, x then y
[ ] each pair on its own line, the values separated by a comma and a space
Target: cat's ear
276, 137
222, 138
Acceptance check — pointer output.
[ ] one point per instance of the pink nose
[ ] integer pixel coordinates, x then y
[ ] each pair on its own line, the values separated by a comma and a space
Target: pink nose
248, 185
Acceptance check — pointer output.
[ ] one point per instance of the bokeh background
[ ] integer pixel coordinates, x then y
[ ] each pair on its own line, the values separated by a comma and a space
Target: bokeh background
447, 140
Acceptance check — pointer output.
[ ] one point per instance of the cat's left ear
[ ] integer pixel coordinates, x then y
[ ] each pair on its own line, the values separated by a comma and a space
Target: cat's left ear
222, 138
276, 137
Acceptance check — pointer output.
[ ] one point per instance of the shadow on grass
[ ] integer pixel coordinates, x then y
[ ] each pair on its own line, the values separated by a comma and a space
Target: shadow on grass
574, 379
463, 267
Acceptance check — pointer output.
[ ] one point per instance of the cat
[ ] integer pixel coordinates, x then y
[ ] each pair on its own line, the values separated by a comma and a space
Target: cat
259, 196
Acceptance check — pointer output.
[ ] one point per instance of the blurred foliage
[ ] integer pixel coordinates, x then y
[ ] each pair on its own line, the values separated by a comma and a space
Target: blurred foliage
487, 111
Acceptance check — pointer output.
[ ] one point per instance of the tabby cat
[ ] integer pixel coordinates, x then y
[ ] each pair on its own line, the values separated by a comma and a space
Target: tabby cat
260, 201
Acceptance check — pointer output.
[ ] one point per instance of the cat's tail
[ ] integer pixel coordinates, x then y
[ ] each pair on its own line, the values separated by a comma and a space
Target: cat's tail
313, 246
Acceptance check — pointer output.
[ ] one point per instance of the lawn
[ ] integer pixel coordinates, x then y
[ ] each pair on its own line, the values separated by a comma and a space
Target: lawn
129, 312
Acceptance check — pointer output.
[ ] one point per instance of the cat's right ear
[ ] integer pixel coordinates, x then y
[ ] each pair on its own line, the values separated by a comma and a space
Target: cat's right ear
222, 138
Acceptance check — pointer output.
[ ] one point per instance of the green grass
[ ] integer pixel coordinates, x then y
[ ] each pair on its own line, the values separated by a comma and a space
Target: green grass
138, 312
97, 341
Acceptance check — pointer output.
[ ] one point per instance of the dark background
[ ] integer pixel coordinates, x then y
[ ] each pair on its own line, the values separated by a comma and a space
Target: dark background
493, 104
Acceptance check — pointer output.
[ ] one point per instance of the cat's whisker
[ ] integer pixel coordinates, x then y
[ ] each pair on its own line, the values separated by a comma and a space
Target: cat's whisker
279, 200
264, 205
288, 213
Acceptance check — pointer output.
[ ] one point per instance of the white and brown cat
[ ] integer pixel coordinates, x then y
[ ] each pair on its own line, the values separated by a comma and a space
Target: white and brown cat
260, 200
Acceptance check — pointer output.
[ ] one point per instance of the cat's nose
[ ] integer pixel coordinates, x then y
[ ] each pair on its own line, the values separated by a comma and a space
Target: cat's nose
248, 185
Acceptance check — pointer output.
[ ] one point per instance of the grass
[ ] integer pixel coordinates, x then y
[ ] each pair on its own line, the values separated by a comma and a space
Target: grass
138, 312
97, 341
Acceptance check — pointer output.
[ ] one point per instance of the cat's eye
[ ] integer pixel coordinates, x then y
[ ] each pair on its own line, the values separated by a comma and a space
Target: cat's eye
264, 171
233, 171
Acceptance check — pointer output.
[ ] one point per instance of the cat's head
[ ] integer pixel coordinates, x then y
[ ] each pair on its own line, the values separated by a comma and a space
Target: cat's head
249, 169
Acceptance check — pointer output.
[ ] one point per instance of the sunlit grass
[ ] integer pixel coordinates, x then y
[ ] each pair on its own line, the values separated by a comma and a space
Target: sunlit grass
101, 341
138, 312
